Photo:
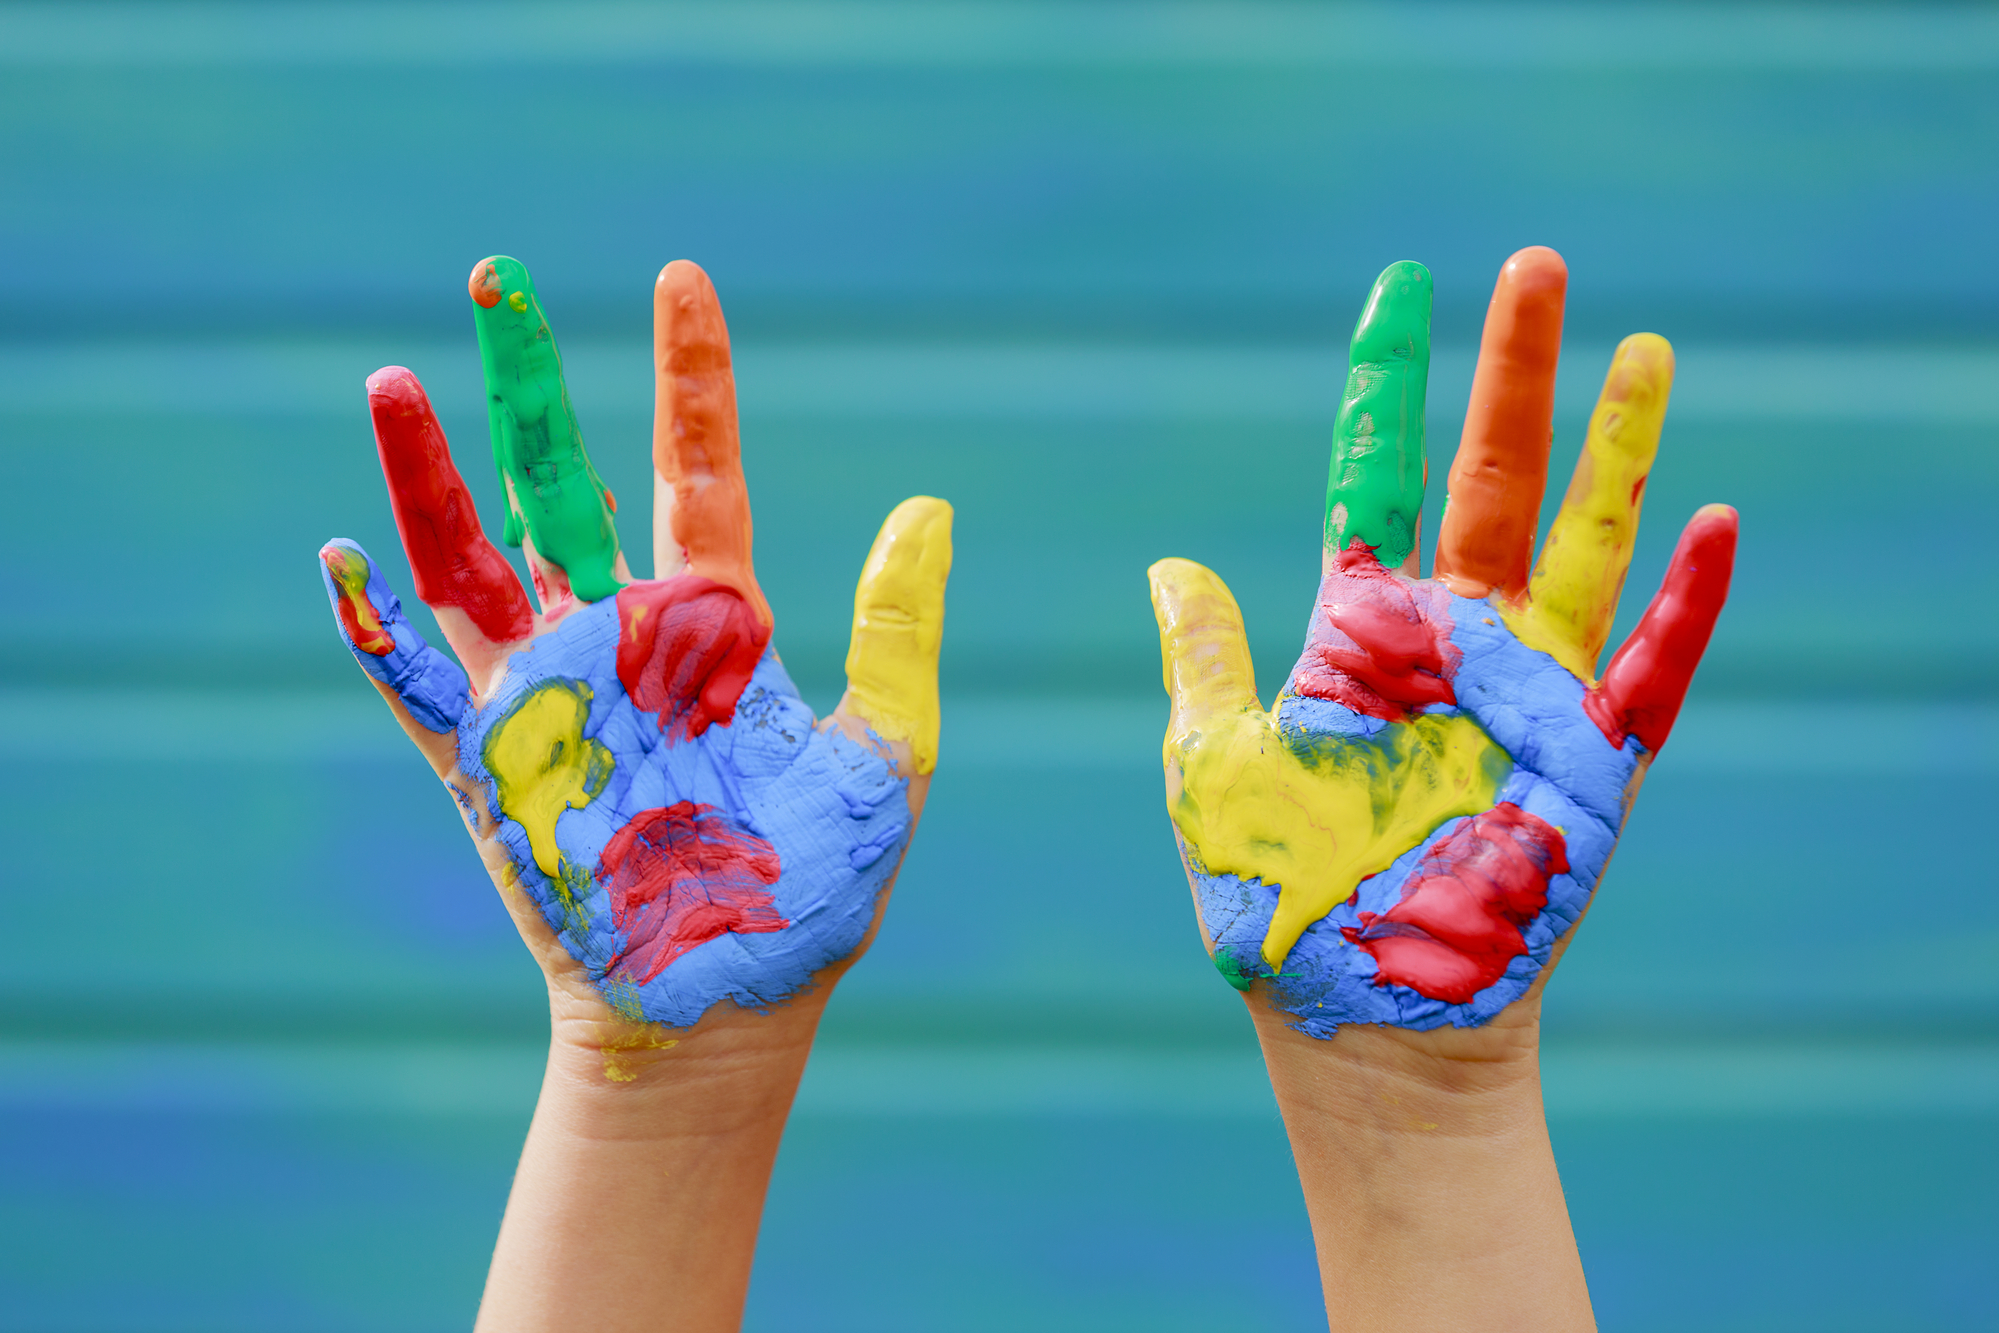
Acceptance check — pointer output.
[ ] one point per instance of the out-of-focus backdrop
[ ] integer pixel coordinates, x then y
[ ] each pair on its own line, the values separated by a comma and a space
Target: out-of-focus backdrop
267, 1044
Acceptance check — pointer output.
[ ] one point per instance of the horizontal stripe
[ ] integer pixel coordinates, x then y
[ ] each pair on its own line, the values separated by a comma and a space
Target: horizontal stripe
980, 732
1884, 385
910, 34
1624, 1080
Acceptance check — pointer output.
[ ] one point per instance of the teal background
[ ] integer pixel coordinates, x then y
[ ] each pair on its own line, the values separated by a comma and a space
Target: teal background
267, 1045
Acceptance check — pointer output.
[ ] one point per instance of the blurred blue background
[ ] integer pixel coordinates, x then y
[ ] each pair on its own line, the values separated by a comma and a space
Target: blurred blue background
268, 1048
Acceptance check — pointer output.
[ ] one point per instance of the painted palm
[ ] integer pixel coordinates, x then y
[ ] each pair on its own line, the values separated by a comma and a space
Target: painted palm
666, 818
1406, 837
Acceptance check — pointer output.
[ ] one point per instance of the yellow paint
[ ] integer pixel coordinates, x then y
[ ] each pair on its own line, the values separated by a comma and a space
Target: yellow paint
544, 765
519, 301
898, 626
1311, 817
646, 1038
350, 570
1572, 598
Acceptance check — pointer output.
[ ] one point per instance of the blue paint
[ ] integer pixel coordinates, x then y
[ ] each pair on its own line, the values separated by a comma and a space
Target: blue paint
431, 685
834, 810
1564, 772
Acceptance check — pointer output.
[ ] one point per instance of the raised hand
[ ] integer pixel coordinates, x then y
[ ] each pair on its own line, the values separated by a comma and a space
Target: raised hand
669, 824
1407, 837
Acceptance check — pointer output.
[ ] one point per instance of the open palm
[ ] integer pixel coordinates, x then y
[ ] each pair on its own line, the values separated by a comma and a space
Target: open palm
668, 822
1407, 837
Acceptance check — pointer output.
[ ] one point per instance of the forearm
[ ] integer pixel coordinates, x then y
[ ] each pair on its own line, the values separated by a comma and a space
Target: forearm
642, 1183
1429, 1178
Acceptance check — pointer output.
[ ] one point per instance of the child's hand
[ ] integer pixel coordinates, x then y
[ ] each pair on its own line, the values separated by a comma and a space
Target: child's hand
668, 823
1408, 836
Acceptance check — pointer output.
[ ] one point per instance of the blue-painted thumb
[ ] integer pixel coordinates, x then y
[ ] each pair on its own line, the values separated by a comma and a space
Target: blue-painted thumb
431, 686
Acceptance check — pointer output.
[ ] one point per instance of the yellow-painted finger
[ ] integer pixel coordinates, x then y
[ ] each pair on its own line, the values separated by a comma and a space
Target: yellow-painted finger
899, 625
1203, 653
1572, 597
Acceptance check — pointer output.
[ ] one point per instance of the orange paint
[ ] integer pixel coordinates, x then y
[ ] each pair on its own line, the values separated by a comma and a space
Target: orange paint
1487, 540
484, 284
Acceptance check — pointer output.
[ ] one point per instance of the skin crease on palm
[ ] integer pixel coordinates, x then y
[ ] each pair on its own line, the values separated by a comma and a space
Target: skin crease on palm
1408, 838
678, 841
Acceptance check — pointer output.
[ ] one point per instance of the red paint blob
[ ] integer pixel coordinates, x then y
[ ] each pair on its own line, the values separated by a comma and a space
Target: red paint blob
448, 552
1458, 924
484, 284
680, 876
1375, 645
1647, 681
686, 649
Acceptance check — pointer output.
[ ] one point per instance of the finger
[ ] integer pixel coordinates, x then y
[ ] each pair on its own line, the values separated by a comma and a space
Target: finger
1203, 652
1573, 594
898, 627
429, 686
1486, 540
1374, 492
461, 576
1647, 680
702, 519
554, 497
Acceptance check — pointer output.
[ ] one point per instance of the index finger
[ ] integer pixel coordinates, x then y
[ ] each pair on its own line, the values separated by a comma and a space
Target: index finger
554, 496
1374, 491
702, 521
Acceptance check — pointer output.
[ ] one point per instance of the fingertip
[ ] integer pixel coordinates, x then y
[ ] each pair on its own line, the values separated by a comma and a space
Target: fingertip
1535, 270
1645, 355
396, 391
686, 309
1710, 536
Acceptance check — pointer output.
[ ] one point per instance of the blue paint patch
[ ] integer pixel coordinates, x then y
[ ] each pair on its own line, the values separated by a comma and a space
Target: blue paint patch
432, 686
834, 810
1564, 772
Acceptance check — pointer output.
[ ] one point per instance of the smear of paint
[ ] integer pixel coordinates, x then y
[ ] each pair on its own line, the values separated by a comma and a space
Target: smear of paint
1378, 644
1459, 922
1374, 489
544, 765
430, 685
681, 876
687, 646
899, 627
350, 570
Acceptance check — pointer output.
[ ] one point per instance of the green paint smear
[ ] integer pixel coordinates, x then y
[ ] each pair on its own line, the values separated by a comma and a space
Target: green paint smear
1375, 488
557, 497
1231, 970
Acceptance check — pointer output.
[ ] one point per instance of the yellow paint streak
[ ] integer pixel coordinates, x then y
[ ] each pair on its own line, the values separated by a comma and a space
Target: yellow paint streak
617, 1069
1572, 598
1316, 818
351, 572
544, 765
898, 627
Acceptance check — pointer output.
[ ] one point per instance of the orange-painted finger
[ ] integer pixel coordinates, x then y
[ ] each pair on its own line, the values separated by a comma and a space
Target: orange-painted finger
460, 575
1647, 680
1486, 542
702, 523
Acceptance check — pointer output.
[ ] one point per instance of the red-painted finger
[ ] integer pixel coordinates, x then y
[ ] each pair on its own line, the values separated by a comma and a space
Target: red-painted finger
1486, 542
1641, 693
457, 569
702, 522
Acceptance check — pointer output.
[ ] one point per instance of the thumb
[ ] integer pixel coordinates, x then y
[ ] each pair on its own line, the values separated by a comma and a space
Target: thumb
1202, 647
425, 689
898, 627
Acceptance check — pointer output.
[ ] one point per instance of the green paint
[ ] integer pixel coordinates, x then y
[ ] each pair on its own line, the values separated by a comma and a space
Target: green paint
556, 497
1375, 489
1232, 971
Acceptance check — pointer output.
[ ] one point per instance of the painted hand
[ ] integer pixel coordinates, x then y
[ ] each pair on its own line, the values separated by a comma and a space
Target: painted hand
667, 822
1406, 838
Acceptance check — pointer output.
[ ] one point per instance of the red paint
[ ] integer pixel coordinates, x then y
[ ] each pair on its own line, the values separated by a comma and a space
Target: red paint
453, 562
1380, 644
1458, 924
686, 649
681, 876
1642, 691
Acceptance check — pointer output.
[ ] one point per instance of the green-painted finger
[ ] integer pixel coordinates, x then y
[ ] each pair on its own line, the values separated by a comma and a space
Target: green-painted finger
1375, 489
554, 496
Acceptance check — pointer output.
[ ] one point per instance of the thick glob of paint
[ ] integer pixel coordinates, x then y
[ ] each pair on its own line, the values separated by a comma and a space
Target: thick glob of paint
1572, 597
687, 647
899, 627
1378, 644
1458, 924
1648, 678
453, 562
1374, 490
679, 877
554, 494
372, 624
544, 765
